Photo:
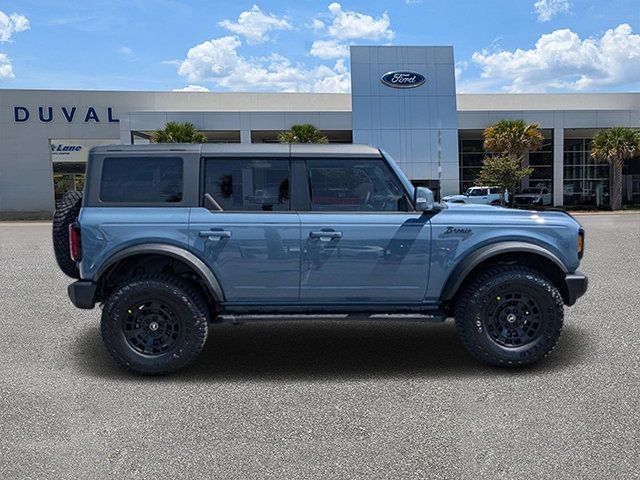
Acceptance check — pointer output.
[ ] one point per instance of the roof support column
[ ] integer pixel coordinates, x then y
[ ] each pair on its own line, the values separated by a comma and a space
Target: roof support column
558, 166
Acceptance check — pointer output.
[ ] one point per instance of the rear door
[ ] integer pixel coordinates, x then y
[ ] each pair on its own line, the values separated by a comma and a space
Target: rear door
252, 242
362, 242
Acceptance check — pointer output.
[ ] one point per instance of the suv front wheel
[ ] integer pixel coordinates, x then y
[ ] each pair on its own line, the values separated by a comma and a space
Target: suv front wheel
509, 316
156, 324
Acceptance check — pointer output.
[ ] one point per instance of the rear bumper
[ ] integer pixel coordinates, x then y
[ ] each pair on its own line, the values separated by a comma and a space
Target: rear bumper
82, 294
577, 283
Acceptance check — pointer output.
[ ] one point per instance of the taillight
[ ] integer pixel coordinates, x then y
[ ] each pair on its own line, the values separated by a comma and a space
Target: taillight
580, 243
75, 246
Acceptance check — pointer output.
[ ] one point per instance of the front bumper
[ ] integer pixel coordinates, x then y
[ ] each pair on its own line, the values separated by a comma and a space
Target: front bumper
82, 294
577, 283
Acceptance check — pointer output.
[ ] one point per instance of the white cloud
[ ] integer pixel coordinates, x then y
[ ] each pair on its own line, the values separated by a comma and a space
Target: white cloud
347, 26
218, 61
547, 9
192, 88
254, 25
353, 25
563, 61
329, 49
10, 24
6, 69
127, 52
317, 25
460, 67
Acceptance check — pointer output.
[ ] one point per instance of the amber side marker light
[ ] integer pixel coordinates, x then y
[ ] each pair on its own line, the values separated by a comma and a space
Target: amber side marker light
580, 243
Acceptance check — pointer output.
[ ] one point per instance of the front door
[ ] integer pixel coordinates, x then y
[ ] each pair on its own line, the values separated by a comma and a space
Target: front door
361, 241
248, 234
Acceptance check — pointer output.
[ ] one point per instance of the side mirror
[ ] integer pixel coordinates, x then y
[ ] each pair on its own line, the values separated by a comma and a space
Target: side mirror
423, 199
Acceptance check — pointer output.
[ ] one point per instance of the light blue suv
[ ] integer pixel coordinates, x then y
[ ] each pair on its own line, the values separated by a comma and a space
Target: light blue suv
168, 238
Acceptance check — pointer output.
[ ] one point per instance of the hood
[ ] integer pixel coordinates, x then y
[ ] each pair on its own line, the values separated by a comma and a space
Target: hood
454, 197
495, 214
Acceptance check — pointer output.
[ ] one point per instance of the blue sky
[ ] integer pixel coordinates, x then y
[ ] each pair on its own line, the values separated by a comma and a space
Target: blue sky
500, 46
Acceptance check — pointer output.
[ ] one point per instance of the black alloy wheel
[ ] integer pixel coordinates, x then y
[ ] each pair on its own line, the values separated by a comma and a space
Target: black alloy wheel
512, 318
152, 327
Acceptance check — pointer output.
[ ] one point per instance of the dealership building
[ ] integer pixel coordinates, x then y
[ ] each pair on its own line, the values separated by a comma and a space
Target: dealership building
414, 114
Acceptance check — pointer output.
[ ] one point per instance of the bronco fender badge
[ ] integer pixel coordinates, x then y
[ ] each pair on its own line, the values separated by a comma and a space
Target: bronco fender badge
457, 231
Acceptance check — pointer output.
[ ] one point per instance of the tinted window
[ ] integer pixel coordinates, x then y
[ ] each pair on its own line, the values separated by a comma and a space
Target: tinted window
478, 192
354, 185
245, 184
141, 179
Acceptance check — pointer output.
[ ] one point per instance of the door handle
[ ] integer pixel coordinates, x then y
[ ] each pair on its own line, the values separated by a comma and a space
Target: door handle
214, 233
324, 234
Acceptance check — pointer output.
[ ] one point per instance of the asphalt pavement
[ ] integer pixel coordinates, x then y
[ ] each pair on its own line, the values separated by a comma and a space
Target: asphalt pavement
320, 399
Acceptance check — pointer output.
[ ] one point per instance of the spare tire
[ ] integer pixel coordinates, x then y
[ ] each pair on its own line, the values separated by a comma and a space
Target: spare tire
67, 210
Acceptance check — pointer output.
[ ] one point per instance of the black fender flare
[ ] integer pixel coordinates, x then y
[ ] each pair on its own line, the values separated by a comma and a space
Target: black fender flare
179, 253
473, 259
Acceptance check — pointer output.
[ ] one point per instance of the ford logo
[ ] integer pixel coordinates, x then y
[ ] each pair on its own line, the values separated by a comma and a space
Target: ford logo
401, 79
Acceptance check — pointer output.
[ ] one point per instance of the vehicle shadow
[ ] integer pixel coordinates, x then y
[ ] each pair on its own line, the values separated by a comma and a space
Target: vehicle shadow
330, 350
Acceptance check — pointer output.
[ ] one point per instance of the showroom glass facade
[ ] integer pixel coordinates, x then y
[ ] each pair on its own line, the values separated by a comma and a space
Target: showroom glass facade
586, 181
472, 153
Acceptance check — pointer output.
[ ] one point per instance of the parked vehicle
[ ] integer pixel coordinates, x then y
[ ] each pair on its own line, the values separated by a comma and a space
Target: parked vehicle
478, 195
536, 196
168, 238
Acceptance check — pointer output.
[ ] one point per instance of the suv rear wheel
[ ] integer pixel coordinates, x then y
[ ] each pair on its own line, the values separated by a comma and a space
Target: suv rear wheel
155, 324
509, 316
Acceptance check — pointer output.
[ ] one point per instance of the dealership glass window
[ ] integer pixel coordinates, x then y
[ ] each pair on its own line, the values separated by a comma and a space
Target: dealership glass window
248, 184
542, 163
354, 185
635, 188
141, 180
586, 181
472, 153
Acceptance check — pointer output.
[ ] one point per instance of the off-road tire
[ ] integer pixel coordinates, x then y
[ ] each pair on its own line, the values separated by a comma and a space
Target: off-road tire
135, 297
67, 210
482, 305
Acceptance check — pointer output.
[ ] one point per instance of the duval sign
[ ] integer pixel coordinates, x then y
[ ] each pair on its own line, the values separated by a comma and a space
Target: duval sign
69, 114
403, 79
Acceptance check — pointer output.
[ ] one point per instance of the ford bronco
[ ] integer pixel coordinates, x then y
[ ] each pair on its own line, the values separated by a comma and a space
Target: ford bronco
168, 238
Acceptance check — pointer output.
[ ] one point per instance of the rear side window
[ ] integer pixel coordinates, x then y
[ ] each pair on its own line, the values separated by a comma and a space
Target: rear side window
248, 184
142, 180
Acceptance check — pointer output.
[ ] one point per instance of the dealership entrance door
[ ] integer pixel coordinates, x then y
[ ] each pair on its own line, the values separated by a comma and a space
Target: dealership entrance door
69, 160
67, 177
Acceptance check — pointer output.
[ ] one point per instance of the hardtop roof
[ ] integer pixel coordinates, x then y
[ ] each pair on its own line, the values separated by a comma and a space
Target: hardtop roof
248, 149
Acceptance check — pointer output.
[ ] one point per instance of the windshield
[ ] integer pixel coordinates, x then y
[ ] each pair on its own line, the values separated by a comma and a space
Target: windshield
531, 190
476, 192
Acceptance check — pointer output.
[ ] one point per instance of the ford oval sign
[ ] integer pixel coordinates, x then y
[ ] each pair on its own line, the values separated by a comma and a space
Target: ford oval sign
402, 79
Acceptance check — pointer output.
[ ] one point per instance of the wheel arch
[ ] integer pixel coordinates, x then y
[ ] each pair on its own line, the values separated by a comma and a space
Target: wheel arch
513, 252
208, 279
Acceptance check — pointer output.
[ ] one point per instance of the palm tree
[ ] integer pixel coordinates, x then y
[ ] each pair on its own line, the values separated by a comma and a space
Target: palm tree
303, 133
178, 132
513, 139
615, 145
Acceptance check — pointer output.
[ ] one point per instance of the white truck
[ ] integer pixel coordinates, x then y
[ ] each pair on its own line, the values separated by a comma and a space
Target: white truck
478, 195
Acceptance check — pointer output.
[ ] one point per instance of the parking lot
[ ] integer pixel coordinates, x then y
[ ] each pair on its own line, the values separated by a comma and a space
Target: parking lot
320, 399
